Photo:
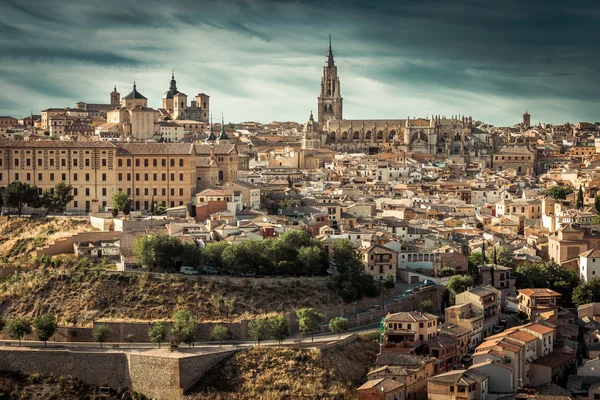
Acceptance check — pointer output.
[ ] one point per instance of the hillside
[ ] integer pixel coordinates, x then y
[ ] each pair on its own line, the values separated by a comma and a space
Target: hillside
273, 374
82, 294
19, 237
16, 386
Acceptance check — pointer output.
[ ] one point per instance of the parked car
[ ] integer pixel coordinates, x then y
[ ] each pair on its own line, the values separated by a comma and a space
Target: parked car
497, 329
68, 213
509, 312
428, 282
409, 292
189, 271
398, 298
502, 323
207, 269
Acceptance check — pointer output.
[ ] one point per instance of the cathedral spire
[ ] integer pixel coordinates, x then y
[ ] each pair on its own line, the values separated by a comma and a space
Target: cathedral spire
212, 131
330, 62
173, 86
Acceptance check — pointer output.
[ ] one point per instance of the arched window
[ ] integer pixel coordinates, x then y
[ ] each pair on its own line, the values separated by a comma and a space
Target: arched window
368, 135
325, 108
182, 104
380, 135
344, 135
356, 135
330, 108
392, 134
220, 175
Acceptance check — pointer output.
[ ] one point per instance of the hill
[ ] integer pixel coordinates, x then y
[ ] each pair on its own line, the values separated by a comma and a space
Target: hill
16, 386
269, 373
76, 292
19, 237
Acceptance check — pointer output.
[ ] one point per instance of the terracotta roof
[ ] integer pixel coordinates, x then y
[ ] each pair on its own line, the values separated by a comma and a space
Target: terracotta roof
386, 384
539, 292
154, 148
220, 148
410, 316
539, 328
522, 336
55, 144
554, 359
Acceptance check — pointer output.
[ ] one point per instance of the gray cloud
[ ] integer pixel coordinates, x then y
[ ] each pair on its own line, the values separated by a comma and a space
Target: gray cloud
262, 59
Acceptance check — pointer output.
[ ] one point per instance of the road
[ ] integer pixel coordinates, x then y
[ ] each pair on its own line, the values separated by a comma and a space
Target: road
197, 346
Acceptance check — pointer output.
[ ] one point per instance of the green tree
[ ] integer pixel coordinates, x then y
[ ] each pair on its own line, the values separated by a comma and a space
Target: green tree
596, 220
338, 325
344, 254
579, 203
259, 329
500, 255
309, 258
459, 283
548, 275
597, 202
219, 333
45, 326
18, 194
309, 320
587, 292
17, 328
130, 338
229, 305
390, 281
246, 257
185, 326
426, 305
163, 252
559, 192
288, 202
279, 328
213, 254
56, 200
158, 333
100, 333
121, 201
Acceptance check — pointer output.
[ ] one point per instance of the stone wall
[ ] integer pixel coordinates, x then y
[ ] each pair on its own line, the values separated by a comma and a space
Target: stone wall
155, 374
65, 245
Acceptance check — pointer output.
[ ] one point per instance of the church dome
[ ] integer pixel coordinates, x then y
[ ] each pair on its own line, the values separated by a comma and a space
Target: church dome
172, 88
310, 126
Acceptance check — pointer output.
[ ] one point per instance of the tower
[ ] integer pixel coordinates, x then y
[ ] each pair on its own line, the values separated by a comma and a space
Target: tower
330, 99
223, 136
310, 134
526, 120
167, 100
115, 97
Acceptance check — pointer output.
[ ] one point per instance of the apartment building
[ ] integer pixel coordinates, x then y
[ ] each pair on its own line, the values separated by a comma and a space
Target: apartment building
485, 299
534, 302
410, 326
458, 385
467, 317
379, 261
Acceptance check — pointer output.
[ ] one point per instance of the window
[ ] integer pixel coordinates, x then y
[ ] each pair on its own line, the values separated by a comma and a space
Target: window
16, 177
181, 177
164, 191
40, 177
155, 163
40, 162
75, 204
63, 177
137, 162
103, 177
75, 177
172, 162
87, 191
52, 162
164, 162
75, 162
137, 191
172, 191
164, 177
137, 177
75, 191
128, 162
129, 177
420, 325
103, 191
28, 177
87, 177
154, 176
120, 177
145, 191
145, 162
104, 162
87, 162
181, 191
172, 177
120, 162
181, 162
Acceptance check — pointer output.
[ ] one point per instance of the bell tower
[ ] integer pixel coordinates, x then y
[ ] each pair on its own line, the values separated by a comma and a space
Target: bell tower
115, 97
330, 99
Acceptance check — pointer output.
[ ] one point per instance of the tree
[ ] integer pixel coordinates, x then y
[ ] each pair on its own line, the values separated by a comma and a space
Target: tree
279, 327
587, 292
309, 258
17, 328
219, 333
163, 252
121, 201
500, 255
184, 326
548, 275
596, 220
246, 257
100, 333
73, 333
158, 333
338, 325
426, 305
45, 326
459, 283
212, 254
288, 202
309, 320
152, 206
130, 338
597, 202
56, 200
115, 212
579, 203
559, 192
390, 281
259, 329
18, 194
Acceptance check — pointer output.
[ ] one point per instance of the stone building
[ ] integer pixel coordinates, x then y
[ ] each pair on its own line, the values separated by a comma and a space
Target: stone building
436, 135
134, 118
174, 103
167, 173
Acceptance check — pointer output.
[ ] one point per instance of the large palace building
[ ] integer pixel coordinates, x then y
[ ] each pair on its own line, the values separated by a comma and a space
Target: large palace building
436, 135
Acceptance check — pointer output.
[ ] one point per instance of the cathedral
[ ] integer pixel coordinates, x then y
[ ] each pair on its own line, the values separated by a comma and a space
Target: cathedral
436, 135
174, 104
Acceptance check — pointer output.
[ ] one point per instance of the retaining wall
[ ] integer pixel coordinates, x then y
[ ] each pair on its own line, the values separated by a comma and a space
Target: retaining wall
65, 245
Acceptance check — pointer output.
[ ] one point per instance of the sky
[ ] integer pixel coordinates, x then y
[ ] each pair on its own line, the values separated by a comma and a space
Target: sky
262, 60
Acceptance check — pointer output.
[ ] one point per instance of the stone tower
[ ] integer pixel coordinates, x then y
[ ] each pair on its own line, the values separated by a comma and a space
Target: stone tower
311, 138
115, 97
526, 120
330, 99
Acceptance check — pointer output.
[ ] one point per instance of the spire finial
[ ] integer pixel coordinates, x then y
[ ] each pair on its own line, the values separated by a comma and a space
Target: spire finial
115, 88
330, 61
172, 74
133, 83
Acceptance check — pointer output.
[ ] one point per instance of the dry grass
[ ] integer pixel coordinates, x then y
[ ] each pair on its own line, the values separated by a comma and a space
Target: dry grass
83, 294
19, 237
277, 374
17, 386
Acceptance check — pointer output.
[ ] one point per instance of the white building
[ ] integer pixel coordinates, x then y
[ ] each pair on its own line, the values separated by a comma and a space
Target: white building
589, 264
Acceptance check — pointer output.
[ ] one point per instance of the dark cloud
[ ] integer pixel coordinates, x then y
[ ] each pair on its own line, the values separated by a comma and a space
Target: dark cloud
513, 51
